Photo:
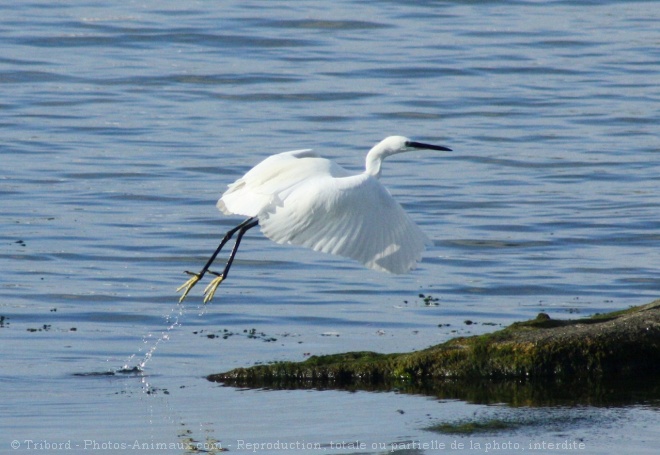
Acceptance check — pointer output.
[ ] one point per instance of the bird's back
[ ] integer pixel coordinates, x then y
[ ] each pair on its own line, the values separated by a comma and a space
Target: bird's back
269, 182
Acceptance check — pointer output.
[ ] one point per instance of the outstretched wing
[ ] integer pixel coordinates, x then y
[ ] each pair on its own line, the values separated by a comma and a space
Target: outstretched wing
354, 216
259, 187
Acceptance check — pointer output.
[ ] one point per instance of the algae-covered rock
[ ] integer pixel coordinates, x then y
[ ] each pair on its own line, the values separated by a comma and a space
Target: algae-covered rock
623, 344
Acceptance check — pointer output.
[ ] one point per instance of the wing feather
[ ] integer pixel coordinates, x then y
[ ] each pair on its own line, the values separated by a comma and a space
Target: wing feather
303, 199
355, 217
259, 187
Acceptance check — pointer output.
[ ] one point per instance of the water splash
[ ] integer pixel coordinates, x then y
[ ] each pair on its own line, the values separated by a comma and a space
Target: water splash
201, 309
173, 320
146, 353
151, 343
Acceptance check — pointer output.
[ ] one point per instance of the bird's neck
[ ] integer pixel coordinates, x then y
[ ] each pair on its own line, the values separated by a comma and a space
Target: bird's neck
374, 161
374, 165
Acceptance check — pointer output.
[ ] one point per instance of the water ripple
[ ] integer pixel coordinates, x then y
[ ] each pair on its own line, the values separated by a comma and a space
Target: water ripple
122, 123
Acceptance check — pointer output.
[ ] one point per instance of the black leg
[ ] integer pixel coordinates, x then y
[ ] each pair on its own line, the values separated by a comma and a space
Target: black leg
230, 233
220, 277
241, 228
241, 233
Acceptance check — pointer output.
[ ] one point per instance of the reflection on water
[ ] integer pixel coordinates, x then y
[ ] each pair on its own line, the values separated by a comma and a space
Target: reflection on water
600, 392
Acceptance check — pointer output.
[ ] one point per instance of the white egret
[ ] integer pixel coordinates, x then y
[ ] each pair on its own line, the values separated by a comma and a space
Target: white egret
303, 199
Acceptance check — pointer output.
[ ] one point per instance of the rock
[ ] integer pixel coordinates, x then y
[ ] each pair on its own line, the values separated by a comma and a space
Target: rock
623, 344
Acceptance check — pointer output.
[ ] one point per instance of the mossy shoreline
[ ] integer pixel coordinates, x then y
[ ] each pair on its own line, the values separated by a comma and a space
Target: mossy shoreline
613, 346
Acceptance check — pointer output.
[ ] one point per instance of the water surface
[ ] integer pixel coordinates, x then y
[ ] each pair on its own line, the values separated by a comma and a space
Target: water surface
122, 124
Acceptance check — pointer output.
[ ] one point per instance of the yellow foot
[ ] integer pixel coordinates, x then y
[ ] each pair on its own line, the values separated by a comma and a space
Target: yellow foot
188, 285
209, 292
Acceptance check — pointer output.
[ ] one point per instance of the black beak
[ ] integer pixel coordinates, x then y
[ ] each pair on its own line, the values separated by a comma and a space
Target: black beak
421, 145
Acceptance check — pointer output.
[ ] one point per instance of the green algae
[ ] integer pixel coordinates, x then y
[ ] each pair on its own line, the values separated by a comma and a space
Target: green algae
470, 427
622, 344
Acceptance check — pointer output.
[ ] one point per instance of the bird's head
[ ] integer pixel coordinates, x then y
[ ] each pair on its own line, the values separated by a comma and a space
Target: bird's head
392, 145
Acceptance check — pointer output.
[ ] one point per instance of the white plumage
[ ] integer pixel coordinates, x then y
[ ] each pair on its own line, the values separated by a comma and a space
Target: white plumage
303, 199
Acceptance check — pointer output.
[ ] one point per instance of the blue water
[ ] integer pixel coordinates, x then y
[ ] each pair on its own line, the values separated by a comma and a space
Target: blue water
121, 125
